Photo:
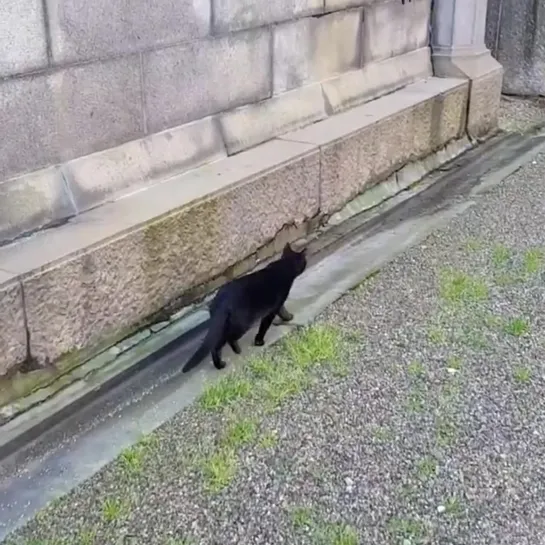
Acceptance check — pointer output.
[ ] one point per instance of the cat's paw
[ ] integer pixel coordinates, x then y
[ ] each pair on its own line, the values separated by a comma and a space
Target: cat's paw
220, 364
259, 342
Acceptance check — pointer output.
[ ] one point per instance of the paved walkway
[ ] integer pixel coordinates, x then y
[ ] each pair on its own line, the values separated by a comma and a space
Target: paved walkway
412, 412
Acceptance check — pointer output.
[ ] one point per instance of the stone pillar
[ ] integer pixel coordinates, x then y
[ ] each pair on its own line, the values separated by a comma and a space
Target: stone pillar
459, 51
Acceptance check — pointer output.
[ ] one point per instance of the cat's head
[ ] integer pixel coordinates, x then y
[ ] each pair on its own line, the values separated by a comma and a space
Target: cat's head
299, 259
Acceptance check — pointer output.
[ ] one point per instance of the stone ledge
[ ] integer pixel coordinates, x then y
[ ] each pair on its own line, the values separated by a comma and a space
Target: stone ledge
91, 282
376, 79
366, 144
251, 125
51, 195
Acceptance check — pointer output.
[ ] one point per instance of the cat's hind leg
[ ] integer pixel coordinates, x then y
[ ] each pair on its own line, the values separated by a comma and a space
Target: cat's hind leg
284, 314
216, 355
233, 343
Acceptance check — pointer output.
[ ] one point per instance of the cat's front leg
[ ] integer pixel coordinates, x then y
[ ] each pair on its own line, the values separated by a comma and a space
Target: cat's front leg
263, 328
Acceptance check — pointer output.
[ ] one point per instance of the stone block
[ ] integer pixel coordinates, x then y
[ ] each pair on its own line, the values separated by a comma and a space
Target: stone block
251, 125
391, 28
54, 117
108, 174
28, 121
138, 253
82, 30
314, 49
232, 15
366, 144
33, 201
376, 79
486, 76
520, 39
22, 37
192, 81
98, 106
13, 339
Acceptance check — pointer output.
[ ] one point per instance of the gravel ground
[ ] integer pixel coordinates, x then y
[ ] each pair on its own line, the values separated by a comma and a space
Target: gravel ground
411, 413
520, 114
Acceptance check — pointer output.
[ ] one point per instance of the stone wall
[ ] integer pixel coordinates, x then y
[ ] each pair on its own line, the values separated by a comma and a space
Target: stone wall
98, 98
515, 34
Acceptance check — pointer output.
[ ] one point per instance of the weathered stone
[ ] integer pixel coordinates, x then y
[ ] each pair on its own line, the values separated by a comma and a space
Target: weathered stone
518, 41
33, 201
98, 106
133, 340
231, 15
27, 118
188, 82
376, 79
54, 117
157, 243
486, 75
334, 5
315, 49
13, 343
390, 28
104, 175
251, 125
22, 37
155, 328
459, 51
366, 144
484, 101
83, 30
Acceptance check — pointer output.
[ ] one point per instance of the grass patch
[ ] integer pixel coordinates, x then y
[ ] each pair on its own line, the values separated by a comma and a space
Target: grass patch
446, 431
113, 509
268, 440
407, 530
517, 327
532, 261
500, 255
426, 468
261, 367
453, 507
225, 392
473, 338
382, 434
522, 375
220, 469
302, 517
286, 383
437, 335
132, 459
86, 537
454, 363
180, 541
458, 287
473, 245
239, 433
338, 534
314, 345
415, 402
416, 370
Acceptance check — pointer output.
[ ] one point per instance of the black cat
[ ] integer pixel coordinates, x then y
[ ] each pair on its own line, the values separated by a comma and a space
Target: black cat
240, 303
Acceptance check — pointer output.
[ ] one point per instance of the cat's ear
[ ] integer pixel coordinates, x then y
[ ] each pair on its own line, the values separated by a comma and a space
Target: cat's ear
287, 249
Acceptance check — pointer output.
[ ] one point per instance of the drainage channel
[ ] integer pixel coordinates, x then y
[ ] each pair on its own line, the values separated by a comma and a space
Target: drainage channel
81, 444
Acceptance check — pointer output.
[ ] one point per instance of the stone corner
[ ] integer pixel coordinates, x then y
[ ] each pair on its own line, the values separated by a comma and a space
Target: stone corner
486, 76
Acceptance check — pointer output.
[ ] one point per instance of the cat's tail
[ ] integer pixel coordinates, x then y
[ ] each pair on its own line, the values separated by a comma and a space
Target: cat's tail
216, 328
